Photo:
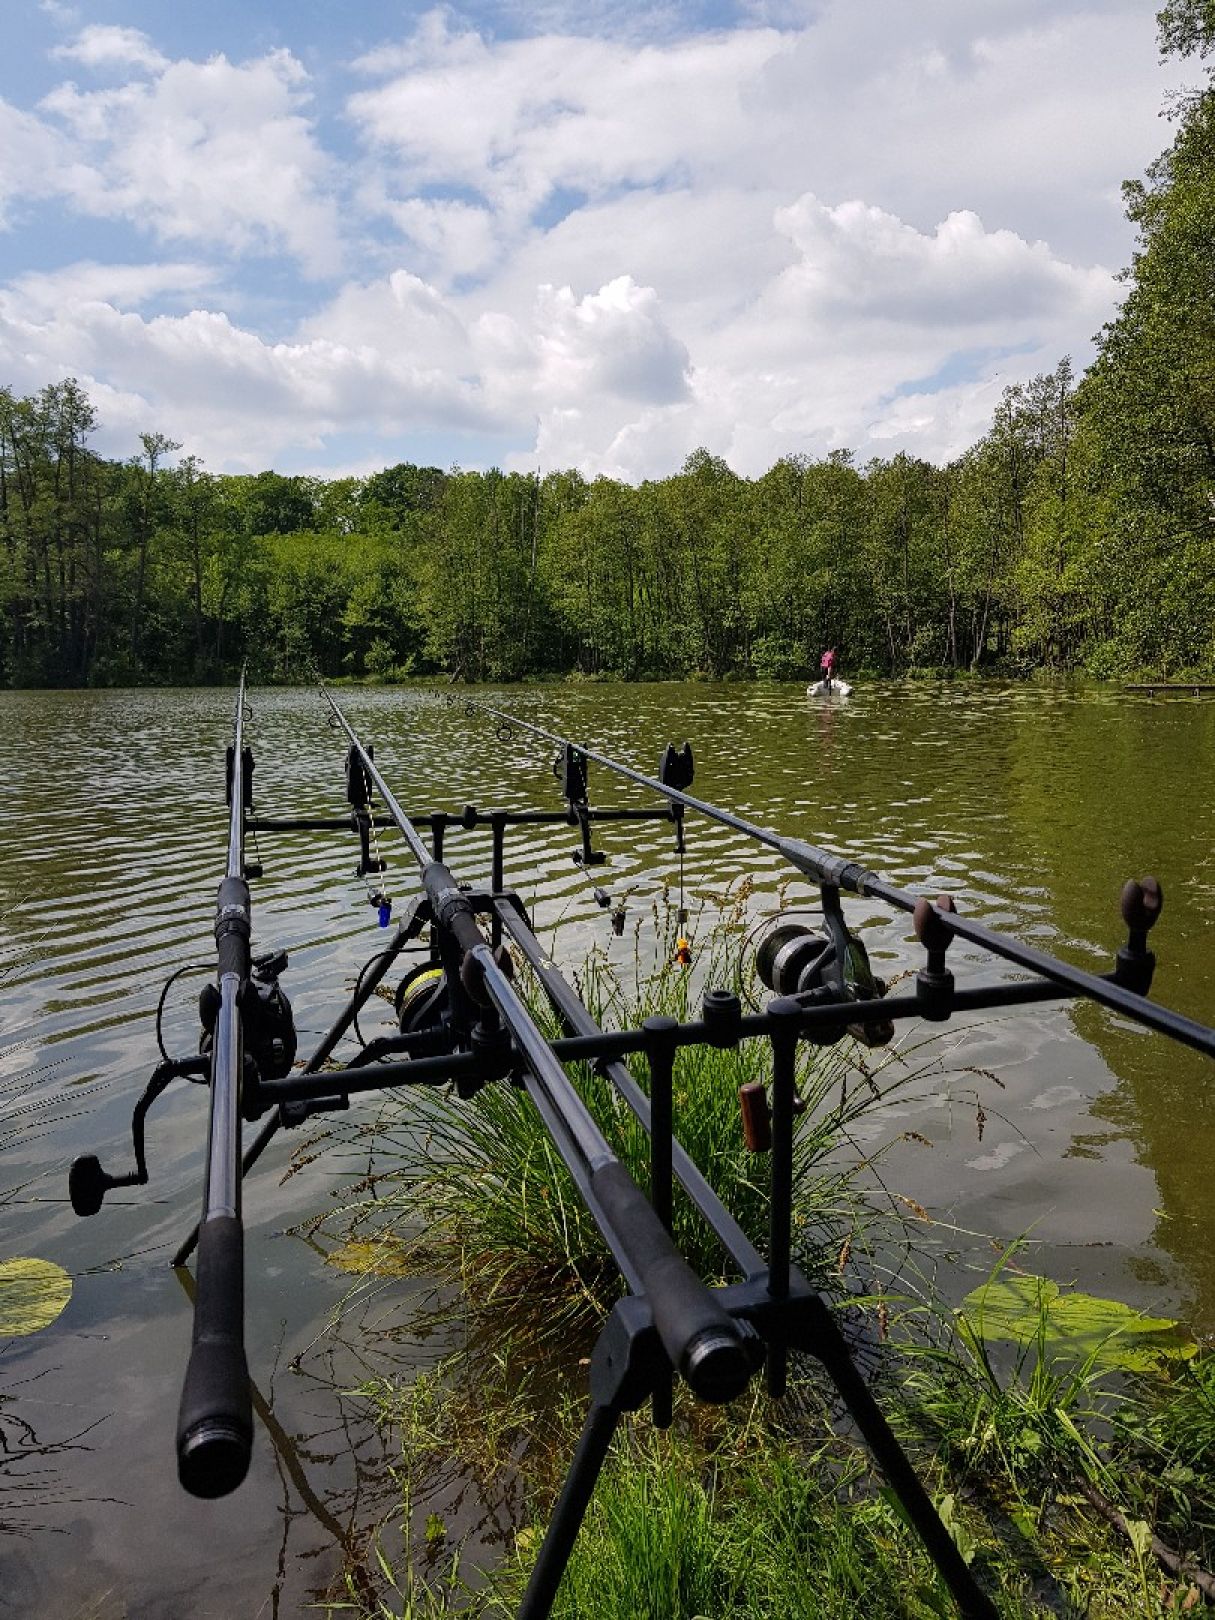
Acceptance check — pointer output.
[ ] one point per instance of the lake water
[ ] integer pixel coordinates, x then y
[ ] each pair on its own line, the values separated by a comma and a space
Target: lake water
1031, 805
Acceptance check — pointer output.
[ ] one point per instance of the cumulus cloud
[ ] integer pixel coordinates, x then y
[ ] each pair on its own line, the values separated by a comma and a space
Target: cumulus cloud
820, 357
613, 342
125, 286
231, 396
1030, 112
102, 45
862, 264
29, 152
215, 151
606, 242
447, 236
517, 121
827, 353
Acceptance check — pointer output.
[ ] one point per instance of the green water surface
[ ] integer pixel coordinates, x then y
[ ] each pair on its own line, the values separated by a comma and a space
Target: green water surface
1030, 805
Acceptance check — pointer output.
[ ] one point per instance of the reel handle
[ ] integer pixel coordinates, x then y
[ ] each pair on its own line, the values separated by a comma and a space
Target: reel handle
88, 1183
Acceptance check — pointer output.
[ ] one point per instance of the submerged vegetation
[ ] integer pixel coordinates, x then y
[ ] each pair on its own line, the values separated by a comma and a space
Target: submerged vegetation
1076, 534
1067, 1440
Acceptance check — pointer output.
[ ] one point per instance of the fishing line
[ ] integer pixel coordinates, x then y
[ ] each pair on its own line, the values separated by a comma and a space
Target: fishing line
190, 967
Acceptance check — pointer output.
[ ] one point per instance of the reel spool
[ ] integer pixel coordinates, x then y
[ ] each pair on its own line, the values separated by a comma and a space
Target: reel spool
796, 960
421, 998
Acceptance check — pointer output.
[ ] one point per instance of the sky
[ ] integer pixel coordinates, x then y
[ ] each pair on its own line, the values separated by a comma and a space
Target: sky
328, 237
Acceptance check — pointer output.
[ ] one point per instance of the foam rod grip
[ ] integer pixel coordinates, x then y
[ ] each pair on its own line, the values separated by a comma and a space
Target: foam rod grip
215, 1423
704, 1343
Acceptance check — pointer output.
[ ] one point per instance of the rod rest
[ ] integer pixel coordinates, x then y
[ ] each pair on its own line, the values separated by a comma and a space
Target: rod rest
1141, 904
418, 1043
292, 1113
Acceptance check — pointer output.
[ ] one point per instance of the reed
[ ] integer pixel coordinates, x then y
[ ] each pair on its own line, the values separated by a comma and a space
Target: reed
473, 1193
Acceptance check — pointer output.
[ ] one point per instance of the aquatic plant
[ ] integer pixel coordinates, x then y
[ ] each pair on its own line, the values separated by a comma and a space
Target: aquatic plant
473, 1192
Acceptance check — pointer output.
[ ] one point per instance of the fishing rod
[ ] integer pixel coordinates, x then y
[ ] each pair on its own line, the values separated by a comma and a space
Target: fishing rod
247, 1033
702, 1341
461, 1022
1124, 990
215, 1420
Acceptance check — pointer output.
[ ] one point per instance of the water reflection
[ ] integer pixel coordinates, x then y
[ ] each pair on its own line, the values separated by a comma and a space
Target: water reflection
1030, 806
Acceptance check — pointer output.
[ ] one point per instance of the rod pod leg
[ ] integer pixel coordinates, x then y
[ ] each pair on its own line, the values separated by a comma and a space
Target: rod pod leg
576, 1493
818, 1333
627, 1360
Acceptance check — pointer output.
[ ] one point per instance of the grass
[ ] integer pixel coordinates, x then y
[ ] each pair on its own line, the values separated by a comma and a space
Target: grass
1055, 1468
1093, 1450
474, 1194
762, 1511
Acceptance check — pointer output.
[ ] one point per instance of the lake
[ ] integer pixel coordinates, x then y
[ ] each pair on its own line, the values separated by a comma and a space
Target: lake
1031, 805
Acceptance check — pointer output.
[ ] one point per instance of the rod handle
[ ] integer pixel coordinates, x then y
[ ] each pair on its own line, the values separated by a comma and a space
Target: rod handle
215, 1422
706, 1346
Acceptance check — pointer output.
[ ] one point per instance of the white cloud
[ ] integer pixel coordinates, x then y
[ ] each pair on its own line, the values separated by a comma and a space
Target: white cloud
454, 239
213, 152
821, 356
1027, 112
233, 398
613, 343
125, 286
860, 265
612, 380
846, 225
517, 121
30, 154
102, 45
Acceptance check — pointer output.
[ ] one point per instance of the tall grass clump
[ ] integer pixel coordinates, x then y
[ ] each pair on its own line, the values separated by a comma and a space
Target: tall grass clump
473, 1193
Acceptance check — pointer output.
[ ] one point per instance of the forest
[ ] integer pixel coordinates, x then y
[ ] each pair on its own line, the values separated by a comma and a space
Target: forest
1078, 535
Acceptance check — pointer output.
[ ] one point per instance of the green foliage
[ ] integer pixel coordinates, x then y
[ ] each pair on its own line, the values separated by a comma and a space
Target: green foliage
1102, 1333
1148, 403
1187, 28
1049, 544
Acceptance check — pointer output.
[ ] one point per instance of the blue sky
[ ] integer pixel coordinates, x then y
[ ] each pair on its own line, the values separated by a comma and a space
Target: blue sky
328, 237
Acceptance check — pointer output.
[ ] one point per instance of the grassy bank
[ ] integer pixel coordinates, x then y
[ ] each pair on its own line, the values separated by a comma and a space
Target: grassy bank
1067, 1441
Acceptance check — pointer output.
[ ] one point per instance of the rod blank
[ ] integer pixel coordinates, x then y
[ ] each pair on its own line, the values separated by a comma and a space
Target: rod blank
215, 1420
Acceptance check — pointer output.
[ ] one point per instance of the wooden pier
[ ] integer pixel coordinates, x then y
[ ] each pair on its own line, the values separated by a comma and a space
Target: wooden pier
1197, 688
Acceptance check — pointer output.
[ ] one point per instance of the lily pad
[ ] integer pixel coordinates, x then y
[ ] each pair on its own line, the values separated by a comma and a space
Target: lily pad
32, 1294
1017, 1306
378, 1257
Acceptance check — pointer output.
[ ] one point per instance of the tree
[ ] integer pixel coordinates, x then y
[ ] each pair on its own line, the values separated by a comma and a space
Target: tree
1149, 399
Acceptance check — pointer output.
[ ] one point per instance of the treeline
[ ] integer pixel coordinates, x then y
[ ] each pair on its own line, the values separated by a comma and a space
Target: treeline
1078, 534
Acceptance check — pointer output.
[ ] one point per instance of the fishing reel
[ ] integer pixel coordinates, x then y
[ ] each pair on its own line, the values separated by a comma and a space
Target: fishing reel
266, 1018
823, 967
421, 998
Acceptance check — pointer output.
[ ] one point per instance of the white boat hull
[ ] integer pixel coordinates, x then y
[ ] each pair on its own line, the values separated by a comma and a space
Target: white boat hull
836, 689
